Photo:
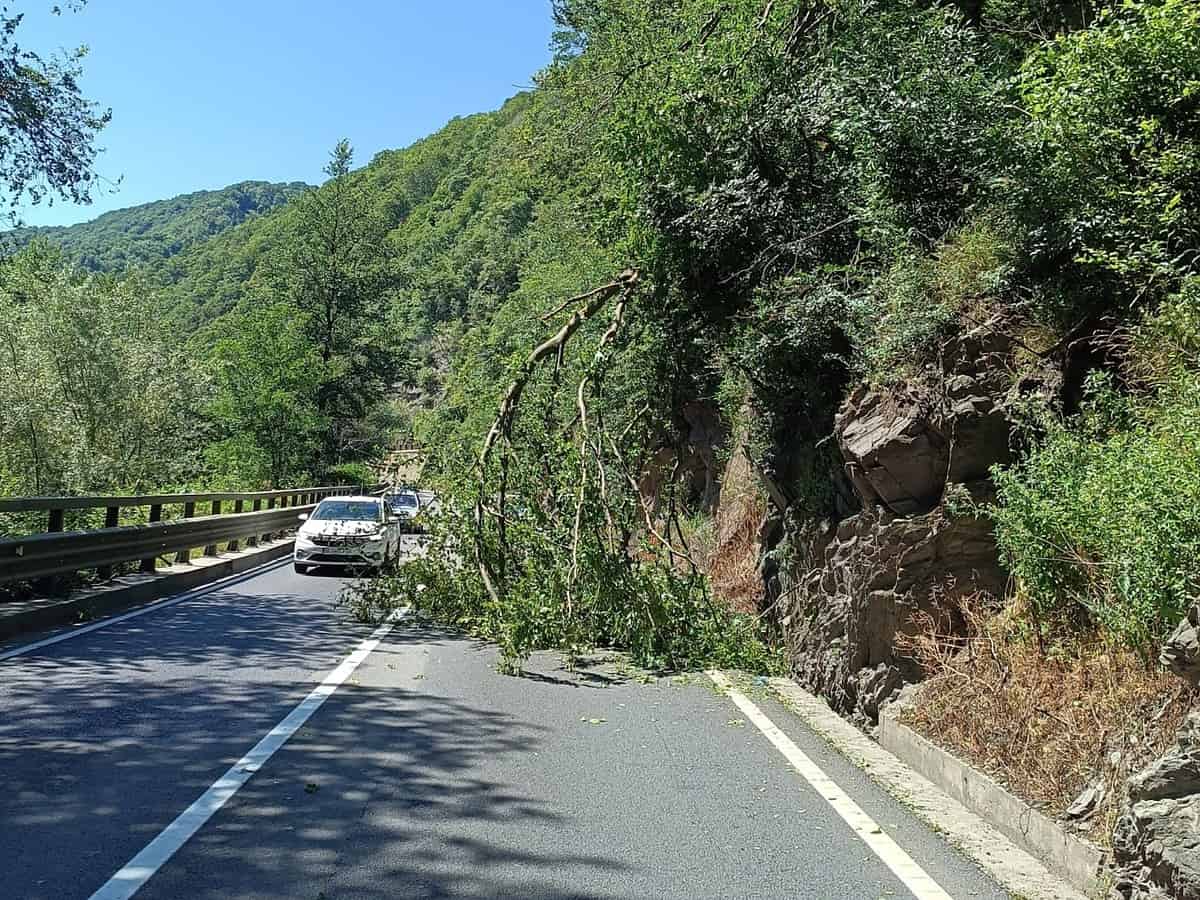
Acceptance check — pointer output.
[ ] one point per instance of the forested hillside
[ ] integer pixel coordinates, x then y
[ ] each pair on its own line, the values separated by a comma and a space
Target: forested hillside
147, 234
284, 341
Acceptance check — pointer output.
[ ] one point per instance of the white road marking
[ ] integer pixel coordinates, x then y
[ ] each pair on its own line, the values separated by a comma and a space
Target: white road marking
135, 873
142, 610
916, 879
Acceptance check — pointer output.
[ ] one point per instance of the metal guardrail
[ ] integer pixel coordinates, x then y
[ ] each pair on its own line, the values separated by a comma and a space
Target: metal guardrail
27, 504
59, 552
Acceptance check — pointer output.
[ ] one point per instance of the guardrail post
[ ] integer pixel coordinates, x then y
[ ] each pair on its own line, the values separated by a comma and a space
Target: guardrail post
270, 534
189, 511
148, 565
252, 541
51, 583
234, 545
211, 549
112, 518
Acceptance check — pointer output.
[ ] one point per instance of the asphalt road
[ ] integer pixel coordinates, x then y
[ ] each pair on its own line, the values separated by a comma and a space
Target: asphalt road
424, 774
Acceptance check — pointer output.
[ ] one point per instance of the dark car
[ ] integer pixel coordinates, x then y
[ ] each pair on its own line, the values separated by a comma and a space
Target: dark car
405, 505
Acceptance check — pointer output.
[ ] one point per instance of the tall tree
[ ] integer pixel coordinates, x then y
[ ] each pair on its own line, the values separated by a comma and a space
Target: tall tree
334, 273
267, 378
47, 127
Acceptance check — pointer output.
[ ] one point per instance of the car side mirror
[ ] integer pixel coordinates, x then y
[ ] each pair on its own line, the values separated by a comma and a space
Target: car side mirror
303, 517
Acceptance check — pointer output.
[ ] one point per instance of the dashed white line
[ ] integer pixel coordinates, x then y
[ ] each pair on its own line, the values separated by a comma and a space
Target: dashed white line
135, 873
916, 879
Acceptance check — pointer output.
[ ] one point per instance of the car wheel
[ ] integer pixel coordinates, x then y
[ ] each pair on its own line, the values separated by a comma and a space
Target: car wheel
300, 570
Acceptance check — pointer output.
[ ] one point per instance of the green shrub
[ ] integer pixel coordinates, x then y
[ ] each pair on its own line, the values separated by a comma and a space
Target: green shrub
921, 296
1101, 523
1113, 126
351, 473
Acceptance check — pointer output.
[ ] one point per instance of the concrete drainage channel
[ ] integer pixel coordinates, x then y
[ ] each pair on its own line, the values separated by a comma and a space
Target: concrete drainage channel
1078, 862
38, 614
1027, 853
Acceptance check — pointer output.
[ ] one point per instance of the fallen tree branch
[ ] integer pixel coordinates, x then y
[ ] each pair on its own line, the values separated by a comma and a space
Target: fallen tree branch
591, 303
585, 443
647, 517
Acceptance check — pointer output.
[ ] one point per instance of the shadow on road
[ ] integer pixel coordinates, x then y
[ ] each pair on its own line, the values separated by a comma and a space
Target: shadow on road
104, 742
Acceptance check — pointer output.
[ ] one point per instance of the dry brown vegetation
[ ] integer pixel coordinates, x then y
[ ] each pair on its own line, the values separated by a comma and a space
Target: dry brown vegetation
733, 558
1044, 720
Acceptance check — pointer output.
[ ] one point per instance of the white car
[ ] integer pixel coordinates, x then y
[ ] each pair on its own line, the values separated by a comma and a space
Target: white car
347, 531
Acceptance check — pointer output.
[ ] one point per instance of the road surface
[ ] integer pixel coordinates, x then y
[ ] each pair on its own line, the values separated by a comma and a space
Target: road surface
422, 773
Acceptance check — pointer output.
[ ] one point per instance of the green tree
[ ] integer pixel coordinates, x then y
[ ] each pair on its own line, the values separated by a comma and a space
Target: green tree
268, 379
333, 270
48, 127
97, 395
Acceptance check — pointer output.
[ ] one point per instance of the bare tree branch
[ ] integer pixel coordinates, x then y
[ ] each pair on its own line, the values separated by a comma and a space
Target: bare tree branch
592, 302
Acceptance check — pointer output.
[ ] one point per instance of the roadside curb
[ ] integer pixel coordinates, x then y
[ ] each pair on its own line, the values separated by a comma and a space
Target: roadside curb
1063, 853
976, 836
134, 590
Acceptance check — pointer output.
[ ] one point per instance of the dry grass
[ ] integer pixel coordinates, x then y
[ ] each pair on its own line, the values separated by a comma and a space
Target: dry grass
1044, 721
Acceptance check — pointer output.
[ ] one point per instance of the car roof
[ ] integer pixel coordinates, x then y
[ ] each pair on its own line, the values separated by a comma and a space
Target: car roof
357, 498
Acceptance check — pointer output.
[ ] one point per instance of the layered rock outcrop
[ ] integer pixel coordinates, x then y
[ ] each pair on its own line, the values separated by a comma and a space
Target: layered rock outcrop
1156, 843
903, 445
847, 590
844, 615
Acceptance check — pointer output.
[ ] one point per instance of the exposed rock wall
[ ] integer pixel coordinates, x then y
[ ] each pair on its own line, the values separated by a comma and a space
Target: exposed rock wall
1156, 844
843, 616
1157, 840
846, 590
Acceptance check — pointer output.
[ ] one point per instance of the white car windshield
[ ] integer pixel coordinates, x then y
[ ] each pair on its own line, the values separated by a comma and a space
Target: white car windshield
347, 511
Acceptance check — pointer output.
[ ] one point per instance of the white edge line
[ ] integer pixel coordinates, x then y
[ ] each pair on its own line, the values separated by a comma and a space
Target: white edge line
916, 879
1017, 872
153, 606
135, 873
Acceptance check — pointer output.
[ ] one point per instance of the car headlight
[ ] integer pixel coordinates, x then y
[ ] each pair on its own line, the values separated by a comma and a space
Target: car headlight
304, 542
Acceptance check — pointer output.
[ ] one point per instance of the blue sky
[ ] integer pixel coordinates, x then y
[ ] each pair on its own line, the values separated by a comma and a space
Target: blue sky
205, 94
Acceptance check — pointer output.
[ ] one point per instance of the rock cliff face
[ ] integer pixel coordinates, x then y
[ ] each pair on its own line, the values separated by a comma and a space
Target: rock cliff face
1157, 840
847, 590
844, 615
1156, 844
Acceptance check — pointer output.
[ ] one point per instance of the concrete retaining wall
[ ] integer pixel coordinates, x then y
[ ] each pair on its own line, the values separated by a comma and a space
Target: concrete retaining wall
1075, 860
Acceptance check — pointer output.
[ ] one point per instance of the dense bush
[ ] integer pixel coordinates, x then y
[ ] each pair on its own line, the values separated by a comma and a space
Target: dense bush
1114, 131
665, 619
1101, 523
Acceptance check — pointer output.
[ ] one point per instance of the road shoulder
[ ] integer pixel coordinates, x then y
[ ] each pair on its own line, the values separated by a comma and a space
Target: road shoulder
1020, 873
